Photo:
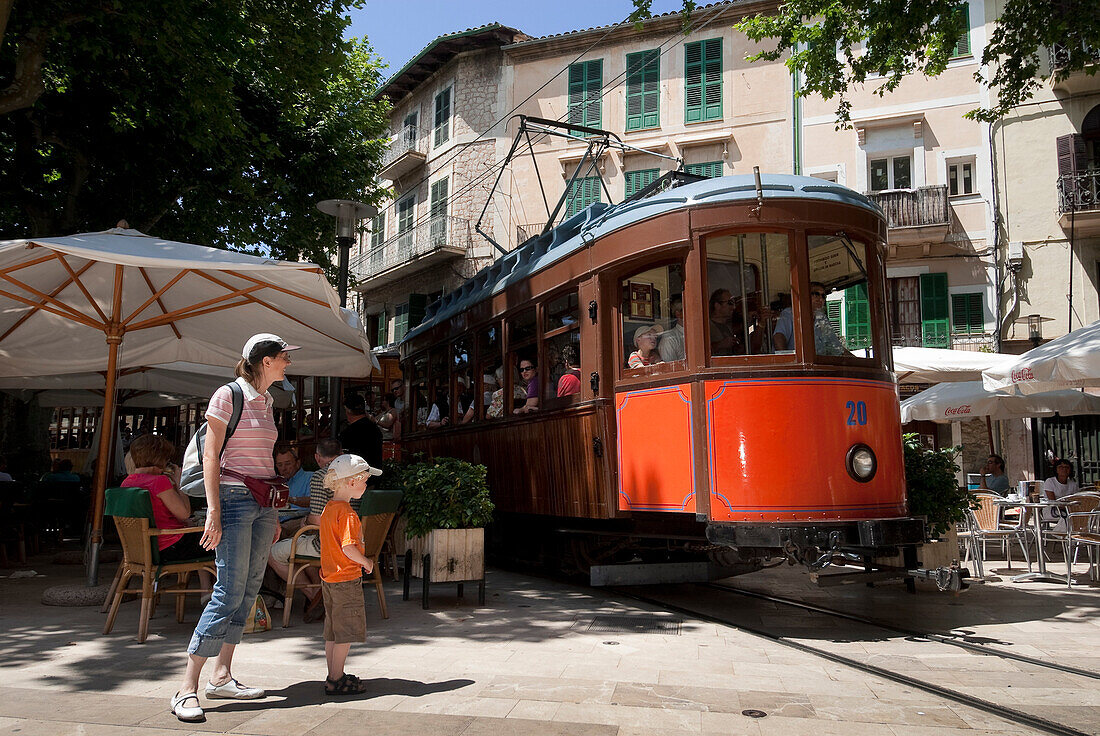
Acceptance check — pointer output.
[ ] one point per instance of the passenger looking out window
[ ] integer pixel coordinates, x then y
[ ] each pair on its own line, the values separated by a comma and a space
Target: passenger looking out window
570, 381
645, 340
844, 324
747, 275
723, 339
528, 371
496, 402
671, 342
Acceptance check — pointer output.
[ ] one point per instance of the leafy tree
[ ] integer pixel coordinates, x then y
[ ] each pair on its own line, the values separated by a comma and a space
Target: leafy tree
895, 38
217, 121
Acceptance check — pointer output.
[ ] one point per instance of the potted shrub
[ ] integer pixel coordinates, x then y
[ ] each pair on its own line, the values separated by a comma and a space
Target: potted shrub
935, 494
445, 508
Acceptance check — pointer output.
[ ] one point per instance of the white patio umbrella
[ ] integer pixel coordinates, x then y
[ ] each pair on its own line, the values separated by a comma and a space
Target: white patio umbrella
1069, 361
935, 365
156, 301
957, 401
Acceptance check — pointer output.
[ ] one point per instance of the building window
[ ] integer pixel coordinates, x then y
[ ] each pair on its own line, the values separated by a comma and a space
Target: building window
408, 315
583, 192
960, 177
895, 172
826, 175
442, 129
903, 310
438, 212
962, 46
643, 90
710, 169
703, 80
967, 314
382, 332
933, 310
377, 230
636, 181
585, 88
408, 128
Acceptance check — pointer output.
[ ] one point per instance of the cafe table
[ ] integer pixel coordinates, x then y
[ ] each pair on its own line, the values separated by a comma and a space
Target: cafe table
1035, 508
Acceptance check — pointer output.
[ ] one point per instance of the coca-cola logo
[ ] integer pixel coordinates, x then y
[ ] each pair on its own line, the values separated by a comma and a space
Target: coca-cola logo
954, 410
1024, 374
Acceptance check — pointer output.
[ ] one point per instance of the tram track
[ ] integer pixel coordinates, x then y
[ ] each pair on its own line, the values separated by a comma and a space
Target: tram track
996, 709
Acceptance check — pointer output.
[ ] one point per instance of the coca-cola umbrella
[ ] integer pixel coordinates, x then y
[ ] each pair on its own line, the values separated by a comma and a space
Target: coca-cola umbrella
1069, 361
122, 299
935, 365
959, 401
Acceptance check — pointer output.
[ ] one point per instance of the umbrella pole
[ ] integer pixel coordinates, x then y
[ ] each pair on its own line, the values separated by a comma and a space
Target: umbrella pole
989, 433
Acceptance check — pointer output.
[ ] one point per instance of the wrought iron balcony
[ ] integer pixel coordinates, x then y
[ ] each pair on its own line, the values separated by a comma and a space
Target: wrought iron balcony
1079, 201
915, 216
438, 239
406, 152
1075, 82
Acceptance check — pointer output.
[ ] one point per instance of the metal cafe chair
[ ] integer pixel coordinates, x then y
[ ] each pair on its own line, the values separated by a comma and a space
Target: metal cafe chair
1082, 528
985, 524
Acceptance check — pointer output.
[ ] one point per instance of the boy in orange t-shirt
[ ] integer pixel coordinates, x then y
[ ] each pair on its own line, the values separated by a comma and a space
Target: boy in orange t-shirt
342, 565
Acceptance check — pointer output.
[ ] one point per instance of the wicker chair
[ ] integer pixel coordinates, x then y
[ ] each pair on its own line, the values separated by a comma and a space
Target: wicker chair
132, 510
1081, 528
984, 524
296, 565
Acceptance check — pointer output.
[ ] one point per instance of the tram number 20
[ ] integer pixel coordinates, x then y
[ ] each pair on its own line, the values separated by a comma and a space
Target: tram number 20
857, 413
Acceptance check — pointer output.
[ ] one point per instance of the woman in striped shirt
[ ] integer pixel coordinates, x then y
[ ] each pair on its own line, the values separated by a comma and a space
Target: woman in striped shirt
237, 528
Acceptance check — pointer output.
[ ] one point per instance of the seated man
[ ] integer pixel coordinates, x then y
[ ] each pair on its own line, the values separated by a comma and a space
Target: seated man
63, 474
289, 466
993, 476
328, 449
826, 341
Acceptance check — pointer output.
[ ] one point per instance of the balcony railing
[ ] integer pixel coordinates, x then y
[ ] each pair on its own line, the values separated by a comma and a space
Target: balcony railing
973, 342
1060, 54
438, 237
914, 207
405, 151
1079, 192
526, 232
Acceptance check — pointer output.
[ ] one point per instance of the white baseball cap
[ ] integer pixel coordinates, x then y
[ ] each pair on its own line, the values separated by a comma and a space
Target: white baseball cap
345, 466
258, 339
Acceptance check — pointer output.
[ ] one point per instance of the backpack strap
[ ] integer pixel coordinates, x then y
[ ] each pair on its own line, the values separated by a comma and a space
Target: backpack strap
235, 418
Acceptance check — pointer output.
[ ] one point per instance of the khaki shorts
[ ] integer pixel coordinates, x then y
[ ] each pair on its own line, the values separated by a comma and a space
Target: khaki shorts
345, 612
280, 551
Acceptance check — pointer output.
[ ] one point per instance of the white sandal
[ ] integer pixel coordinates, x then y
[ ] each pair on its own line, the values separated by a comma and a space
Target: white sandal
184, 713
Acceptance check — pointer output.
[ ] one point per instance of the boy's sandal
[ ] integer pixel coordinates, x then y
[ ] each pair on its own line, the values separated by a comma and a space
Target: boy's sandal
346, 685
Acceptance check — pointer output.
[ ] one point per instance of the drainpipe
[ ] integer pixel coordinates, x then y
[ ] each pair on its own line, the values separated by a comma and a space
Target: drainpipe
998, 318
796, 122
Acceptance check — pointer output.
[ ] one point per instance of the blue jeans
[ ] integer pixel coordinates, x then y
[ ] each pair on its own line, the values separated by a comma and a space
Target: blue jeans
241, 557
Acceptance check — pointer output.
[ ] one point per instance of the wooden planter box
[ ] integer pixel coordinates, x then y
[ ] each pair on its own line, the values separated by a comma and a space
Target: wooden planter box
930, 555
446, 556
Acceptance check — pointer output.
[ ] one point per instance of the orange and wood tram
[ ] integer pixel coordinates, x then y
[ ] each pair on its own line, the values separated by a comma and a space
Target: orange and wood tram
706, 373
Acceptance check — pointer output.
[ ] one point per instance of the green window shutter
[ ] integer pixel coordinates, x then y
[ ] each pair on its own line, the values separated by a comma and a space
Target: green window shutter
636, 181
406, 212
400, 321
584, 192
857, 317
703, 80
585, 90
643, 90
832, 311
438, 211
967, 314
417, 304
962, 47
382, 337
377, 229
710, 169
442, 130
934, 310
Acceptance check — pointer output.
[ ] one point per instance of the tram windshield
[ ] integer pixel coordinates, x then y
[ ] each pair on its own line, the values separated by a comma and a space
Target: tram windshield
749, 285
839, 296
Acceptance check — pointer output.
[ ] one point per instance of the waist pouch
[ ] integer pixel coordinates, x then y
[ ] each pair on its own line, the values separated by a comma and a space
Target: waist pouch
268, 492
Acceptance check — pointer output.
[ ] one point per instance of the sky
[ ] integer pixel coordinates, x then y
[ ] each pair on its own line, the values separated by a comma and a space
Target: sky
399, 30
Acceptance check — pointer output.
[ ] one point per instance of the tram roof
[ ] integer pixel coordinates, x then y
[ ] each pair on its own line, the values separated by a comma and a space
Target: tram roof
600, 219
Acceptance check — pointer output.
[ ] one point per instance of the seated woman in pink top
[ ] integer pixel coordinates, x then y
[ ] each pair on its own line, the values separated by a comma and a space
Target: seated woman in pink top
153, 469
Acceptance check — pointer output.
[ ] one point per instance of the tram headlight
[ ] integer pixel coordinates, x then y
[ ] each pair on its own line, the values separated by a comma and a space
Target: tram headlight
861, 463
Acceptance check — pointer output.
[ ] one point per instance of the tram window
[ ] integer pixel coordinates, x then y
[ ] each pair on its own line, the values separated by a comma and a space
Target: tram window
490, 371
438, 400
463, 388
748, 300
523, 351
417, 413
839, 287
561, 338
652, 317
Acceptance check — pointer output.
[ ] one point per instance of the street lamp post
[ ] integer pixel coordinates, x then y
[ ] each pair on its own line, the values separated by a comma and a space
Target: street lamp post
348, 213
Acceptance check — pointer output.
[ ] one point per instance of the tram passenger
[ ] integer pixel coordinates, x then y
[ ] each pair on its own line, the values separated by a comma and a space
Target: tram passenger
826, 341
645, 340
387, 417
529, 372
570, 382
723, 339
397, 388
671, 344
496, 403
439, 416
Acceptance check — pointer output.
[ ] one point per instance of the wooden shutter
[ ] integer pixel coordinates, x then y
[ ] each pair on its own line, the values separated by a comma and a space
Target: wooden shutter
709, 169
377, 229
585, 90
636, 181
406, 209
438, 211
1072, 154
583, 193
857, 317
703, 80
382, 337
832, 311
442, 117
967, 314
934, 310
643, 94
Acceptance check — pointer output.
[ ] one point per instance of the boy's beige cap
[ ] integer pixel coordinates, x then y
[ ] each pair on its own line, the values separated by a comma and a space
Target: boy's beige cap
345, 466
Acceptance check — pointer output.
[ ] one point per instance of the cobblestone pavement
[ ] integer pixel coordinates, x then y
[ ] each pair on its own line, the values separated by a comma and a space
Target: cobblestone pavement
531, 662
